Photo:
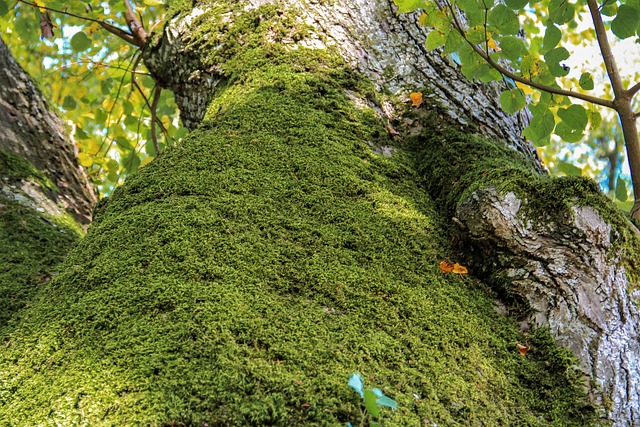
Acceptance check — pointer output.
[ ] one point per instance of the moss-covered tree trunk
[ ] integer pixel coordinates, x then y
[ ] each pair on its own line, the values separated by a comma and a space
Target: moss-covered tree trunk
294, 238
44, 194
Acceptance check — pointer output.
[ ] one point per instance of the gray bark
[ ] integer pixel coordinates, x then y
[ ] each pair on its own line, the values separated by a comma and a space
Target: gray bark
32, 131
569, 273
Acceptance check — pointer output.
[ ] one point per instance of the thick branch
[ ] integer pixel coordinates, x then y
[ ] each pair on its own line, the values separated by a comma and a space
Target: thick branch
134, 24
633, 90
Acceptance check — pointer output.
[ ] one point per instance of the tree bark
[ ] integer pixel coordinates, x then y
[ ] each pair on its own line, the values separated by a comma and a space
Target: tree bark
575, 285
30, 130
294, 239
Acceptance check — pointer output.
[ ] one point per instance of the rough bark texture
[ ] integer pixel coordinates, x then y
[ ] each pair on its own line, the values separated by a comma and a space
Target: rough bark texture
32, 131
387, 48
569, 274
573, 282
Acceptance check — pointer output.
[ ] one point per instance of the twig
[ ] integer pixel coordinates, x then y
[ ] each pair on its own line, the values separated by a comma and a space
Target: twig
556, 91
633, 90
134, 25
154, 118
111, 28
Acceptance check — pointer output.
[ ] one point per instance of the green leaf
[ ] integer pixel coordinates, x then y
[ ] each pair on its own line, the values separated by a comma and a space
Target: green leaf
153, 2
553, 58
560, 11
586, 81
575, 117
625, 24
69, 103
370, 403
435, 39
512, 100
542, 124
552, 37
621, 190
406, 6
516, 4
569, 169
568, 134
610, 8
123, 143
4, 8
80, 42
513, 48
595, 118
504, 20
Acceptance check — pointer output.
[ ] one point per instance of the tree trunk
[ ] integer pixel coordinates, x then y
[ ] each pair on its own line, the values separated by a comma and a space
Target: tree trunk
294, 239
31, 131
43, 191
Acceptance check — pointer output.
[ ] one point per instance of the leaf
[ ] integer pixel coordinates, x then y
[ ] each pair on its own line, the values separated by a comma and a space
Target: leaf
516, 4
435, 39
459, 269
153, 2
406, 6
370, 403
568, 134
542, 124
416, 99
388, 402
513, 48
504, 20
625, 24
69, 103
522, 348
575, 117
446, 266
80, 42
355, 382
528, 90
552, 37
553, 58
85, 160
595, 118
560, 11
512, 100
4, 8
569, 169
491, 43
621, 190
586, 81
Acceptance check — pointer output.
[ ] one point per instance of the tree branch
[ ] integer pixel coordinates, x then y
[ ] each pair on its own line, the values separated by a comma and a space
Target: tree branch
556, 91
111, 28
137, 29
633, 90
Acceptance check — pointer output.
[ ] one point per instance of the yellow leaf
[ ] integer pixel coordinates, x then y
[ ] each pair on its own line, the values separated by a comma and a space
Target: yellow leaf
522, 349
85, 160
528, 90
446, 266
458, 269
492, 45
416, 99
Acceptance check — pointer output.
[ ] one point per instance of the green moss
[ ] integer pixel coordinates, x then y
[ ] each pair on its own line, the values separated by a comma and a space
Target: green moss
454, 165
32, 246
16, 168
242, 276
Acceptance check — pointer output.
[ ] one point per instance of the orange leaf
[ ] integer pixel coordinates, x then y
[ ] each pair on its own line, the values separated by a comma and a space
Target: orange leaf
416, 99
522, 348
459, 269
446, 266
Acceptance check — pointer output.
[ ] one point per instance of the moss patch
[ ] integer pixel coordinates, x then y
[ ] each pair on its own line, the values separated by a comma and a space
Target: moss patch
241, 277
454, 165
16, 168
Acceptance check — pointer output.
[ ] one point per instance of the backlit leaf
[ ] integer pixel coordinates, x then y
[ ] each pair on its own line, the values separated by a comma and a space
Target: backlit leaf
405, 6
512, 100
370, 403
80, 42
621, 190
575, 117
586, 81
625, 24
504, 20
